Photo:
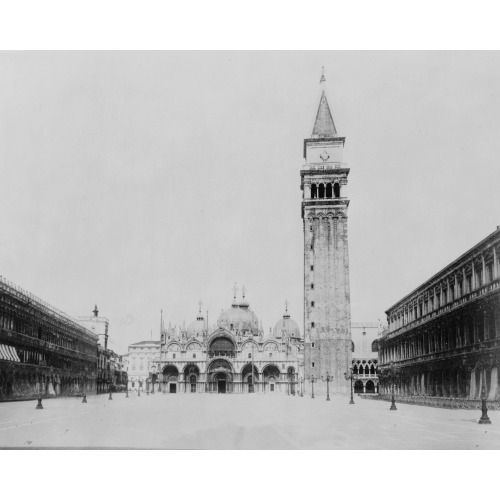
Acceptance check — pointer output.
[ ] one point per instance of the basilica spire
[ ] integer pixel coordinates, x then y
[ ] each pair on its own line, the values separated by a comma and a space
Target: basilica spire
324, 126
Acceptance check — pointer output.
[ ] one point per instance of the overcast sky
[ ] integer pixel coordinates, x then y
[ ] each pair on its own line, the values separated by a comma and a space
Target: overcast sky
147, 181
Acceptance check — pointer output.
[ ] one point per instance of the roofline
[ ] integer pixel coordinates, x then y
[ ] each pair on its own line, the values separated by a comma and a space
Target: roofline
451, 264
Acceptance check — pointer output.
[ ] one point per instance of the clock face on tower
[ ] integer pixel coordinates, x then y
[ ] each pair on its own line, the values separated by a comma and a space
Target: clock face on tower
324, 155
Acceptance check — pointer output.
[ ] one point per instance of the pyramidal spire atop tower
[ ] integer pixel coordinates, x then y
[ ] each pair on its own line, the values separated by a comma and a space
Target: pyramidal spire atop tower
324, 125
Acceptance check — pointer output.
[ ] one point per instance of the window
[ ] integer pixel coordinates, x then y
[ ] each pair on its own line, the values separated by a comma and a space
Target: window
249, 355
312, 268
270, 354
313, 344
352, 346
311, 247
313, 364
194, 355
375, 346
312, 286
173, 356
313, 191
310, 228
336, 190
312, 303
312, 324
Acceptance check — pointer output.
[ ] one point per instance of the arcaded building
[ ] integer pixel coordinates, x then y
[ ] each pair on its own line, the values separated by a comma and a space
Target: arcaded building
327, 303
43, 351
443, 339
365, 356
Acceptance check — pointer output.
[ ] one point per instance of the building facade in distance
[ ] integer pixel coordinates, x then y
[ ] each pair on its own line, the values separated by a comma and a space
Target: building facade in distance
43, 351
443, 339
365, 357
142, 362
327, 309
100, 326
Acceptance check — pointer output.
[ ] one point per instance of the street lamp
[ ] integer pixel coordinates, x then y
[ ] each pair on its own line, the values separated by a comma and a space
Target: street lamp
483, 364
313, 379
84, 400
328, 379
392, 377
350, 377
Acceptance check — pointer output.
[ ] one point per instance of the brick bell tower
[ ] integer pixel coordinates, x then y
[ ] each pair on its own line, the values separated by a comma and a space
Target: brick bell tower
327, 304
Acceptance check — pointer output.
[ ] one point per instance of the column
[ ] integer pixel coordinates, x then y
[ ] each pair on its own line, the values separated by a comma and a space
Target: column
472, 390
483, 270
493, 384
495, 264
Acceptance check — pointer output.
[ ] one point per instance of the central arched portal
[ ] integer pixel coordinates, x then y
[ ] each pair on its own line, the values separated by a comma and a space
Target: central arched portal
220, 376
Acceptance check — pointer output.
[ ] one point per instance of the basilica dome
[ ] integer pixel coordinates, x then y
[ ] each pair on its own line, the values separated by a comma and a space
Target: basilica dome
196, 328
239, 317
286, 325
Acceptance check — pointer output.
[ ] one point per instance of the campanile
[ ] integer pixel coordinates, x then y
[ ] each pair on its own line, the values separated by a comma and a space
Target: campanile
327, 305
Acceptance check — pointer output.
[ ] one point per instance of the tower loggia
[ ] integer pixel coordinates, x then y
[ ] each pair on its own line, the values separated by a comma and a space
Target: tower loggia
327, 309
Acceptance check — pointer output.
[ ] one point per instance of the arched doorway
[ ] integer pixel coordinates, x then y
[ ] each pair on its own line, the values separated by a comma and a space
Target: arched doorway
170, 378
358, 386
220, 376
370, 386
191, 377
271, 375
249, 380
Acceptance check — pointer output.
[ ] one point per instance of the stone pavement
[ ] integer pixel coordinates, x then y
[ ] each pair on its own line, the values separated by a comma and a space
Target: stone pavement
251, 421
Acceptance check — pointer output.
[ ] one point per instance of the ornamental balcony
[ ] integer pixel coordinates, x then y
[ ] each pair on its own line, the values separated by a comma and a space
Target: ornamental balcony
221, 354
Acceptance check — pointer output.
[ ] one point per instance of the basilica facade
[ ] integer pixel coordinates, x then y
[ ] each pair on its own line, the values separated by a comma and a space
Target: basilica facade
233, 356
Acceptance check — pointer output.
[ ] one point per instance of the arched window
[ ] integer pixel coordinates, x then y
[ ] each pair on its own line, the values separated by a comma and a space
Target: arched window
321, 191
314, 193
372, 370
375, 346
249, 355
352, 346
336, 190
355, 370
194, 355
367, 370
329, 190
173, 356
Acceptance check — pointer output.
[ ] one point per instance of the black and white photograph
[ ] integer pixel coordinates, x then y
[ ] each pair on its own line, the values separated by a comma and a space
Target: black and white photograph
267, 247
230, 262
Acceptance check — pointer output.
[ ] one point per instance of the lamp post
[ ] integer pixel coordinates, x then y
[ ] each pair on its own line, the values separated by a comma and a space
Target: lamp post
39, 405
313, 379
301, 382
328, 379
84, 400
483, 364
350, 377
392, 377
